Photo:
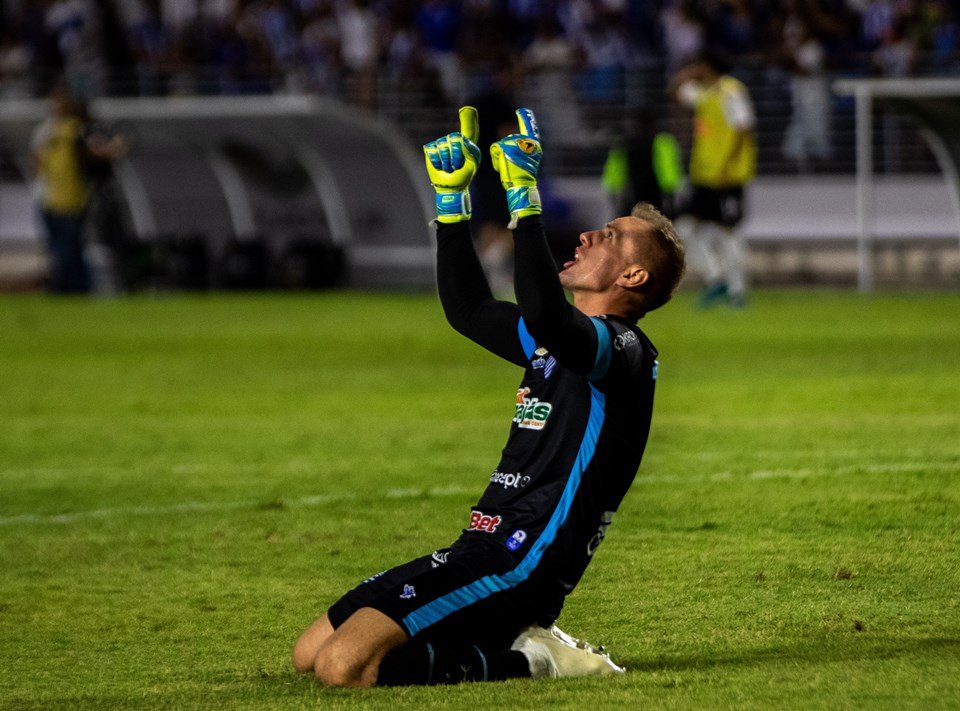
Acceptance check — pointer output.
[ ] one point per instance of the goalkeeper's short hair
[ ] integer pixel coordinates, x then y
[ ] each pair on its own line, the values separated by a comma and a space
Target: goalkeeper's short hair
669, 258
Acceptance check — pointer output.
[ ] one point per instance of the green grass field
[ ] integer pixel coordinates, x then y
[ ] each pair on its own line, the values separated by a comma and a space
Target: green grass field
186, 482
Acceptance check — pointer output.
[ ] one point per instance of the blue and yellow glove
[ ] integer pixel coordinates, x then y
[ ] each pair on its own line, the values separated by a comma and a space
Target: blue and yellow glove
517, 159
452, 162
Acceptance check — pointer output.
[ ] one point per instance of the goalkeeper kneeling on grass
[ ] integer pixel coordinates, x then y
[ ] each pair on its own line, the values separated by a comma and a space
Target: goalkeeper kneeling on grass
484, 608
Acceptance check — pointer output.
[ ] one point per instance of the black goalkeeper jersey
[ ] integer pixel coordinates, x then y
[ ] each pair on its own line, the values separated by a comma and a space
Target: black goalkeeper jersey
580, 419
574, 448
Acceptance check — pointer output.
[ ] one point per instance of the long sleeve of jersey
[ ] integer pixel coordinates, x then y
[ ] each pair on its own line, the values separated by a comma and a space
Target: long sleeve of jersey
569, 334
467, 300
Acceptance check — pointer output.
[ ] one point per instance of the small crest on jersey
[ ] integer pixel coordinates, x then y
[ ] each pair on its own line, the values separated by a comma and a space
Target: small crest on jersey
408, 592
545, 364
516, 539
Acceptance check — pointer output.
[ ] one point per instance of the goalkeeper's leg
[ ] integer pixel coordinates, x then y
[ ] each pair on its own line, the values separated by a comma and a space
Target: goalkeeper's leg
425, 663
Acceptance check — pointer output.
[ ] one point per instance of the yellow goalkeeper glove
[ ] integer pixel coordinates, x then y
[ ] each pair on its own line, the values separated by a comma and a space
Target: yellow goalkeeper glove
517, 159
452, 162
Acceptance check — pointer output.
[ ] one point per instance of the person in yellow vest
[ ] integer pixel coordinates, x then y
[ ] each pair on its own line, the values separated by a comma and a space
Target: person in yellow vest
63, 153
723, 160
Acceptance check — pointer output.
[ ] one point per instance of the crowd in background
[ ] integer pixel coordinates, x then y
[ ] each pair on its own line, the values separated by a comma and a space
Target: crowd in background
342, 47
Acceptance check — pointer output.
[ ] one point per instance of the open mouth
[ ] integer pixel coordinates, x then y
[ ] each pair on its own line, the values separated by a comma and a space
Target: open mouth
576, 258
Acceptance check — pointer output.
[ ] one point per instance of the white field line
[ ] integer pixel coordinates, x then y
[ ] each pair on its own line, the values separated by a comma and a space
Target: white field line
804, 473
457, 490
252, 504
791, 454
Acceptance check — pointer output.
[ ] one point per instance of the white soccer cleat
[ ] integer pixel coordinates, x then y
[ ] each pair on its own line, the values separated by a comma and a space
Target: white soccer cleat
553, 653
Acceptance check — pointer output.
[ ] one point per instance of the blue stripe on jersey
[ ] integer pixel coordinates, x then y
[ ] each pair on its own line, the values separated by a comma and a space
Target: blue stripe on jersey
436, 610
526, 340
601, 364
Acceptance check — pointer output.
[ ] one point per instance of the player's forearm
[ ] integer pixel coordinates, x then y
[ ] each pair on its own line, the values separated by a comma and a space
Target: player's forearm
539, 294
461, 282
466, 298
549, 317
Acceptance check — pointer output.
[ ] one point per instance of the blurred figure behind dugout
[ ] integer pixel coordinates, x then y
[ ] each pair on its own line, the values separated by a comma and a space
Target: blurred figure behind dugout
62, 156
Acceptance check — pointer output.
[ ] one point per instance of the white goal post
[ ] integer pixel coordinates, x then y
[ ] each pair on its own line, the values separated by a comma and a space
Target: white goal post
935, 104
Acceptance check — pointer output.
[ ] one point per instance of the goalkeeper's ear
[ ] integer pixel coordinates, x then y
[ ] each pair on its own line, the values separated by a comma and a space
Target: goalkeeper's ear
469, 123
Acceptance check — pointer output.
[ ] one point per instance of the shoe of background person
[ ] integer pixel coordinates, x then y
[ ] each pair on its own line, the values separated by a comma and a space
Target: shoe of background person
553, 653
712, 294
737, 301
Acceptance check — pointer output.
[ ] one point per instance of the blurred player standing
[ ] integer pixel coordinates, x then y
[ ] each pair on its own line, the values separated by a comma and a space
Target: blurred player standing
723, 160
483, 609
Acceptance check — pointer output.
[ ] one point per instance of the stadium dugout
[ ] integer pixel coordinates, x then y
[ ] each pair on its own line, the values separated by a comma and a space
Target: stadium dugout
272, 171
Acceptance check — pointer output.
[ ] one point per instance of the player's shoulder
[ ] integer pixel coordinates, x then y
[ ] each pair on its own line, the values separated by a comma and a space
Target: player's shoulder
628, 343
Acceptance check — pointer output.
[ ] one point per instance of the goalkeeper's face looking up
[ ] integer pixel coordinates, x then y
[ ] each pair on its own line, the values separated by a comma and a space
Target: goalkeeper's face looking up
632, 263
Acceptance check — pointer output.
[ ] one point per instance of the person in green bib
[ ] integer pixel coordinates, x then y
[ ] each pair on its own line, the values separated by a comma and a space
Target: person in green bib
723, 160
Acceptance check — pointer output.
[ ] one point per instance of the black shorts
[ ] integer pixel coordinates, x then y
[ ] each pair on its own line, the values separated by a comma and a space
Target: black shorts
455, 595
723, 206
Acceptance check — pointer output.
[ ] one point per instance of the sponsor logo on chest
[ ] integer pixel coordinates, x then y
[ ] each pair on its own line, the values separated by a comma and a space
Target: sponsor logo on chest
531, 413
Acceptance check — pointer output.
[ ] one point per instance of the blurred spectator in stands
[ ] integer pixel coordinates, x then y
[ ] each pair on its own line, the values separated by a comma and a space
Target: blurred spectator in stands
44, 55
549, 63
360, 50
192, 52
14, 64
945, 41
62, 155
177, 14
482, 40
807, 137
75, 27
523, 17
897, 53
608, 51
114, 48
150, 45
236, 53
279, 31
321, 49
496, 106
573, 17
722, 163
407, 65
876, 22
732, 25
439, 24
895, 58
683, 34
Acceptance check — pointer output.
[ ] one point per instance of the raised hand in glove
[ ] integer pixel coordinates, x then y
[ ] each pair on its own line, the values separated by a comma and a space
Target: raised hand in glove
452, 162
517, 159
